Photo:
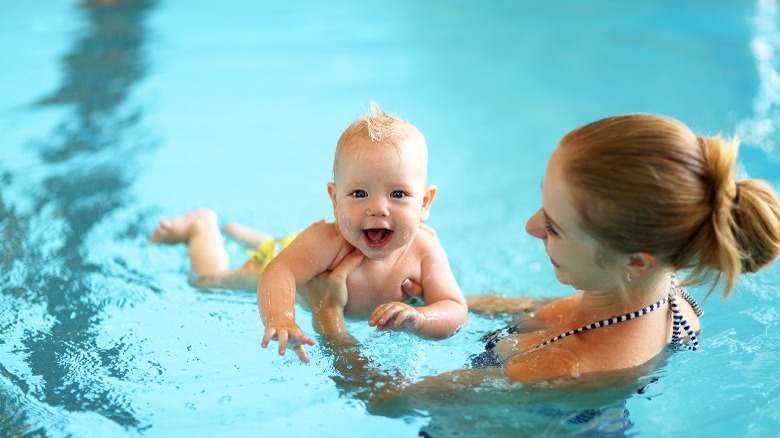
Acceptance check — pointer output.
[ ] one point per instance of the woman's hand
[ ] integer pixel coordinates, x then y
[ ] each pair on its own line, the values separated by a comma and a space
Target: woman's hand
327, 295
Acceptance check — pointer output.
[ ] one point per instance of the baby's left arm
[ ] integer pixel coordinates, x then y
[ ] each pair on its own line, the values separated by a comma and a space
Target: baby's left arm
445, 309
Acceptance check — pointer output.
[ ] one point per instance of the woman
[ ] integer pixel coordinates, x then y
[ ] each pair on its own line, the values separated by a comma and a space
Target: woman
627, 203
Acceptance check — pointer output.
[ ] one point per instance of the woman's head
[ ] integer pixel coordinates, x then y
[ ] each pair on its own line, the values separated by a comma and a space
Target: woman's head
647, 184
578, 259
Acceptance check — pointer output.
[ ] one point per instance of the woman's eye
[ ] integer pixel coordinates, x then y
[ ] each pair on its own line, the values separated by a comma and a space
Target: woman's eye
549, 228
397, 194
359, 194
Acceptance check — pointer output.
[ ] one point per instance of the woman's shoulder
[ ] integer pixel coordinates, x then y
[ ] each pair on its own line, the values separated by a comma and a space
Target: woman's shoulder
556, 309
550, 362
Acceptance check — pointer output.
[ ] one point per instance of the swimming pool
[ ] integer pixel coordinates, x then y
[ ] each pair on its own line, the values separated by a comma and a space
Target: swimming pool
114, 116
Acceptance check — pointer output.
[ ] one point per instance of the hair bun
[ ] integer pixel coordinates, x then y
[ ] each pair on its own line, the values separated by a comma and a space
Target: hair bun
756, 217
720, 156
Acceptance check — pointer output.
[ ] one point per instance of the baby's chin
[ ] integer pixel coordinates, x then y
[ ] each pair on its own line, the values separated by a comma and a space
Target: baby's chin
375, 244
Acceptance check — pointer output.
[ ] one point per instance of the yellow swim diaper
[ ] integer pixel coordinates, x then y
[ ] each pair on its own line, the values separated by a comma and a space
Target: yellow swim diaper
269, 248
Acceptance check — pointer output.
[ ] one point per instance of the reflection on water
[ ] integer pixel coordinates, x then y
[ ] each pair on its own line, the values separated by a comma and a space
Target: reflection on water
89, 156
487, 404
100, 335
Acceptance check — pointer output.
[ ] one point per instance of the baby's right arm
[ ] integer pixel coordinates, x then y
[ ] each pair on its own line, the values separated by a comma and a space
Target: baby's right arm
311, 253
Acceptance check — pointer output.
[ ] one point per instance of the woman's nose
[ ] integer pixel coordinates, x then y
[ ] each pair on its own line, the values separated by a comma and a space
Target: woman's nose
535, 225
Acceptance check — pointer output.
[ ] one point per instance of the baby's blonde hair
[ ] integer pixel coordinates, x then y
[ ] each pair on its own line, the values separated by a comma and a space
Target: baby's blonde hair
379, 127
645, 183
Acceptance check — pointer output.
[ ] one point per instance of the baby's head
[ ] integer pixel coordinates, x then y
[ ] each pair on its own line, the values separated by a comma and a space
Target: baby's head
379, 190
383, 129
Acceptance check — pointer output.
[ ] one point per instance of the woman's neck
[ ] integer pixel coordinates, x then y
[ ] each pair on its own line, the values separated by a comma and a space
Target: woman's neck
632, 295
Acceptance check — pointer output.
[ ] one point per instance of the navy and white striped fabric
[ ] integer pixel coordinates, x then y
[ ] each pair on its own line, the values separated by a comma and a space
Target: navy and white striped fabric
678, 320
608, 321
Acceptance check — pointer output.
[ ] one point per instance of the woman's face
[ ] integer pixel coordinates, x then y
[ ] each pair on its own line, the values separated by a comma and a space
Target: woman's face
577, 258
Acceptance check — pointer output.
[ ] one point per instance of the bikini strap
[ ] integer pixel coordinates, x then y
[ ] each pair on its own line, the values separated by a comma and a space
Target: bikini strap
688, 297
678, 320
608, 321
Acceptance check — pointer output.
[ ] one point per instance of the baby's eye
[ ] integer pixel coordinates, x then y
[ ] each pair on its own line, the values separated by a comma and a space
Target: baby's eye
397, 194
359, 193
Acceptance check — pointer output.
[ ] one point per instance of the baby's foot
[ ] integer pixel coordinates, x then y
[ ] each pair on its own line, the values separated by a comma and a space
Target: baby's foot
245, 235
181, 228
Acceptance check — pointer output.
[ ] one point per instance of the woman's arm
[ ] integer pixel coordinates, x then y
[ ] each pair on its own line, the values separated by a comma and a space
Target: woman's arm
327, 296
489, 304
357, 374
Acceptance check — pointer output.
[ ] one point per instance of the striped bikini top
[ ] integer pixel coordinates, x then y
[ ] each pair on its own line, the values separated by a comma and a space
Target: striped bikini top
678, 323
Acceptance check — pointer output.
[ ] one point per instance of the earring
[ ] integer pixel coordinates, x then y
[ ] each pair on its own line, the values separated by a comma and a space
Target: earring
628, 276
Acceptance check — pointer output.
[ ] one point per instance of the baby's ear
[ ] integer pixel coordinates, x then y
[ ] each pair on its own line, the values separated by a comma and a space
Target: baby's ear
332, 194
430, 193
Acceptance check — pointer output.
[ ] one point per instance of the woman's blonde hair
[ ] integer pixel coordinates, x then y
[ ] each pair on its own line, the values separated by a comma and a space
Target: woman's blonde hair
646, 183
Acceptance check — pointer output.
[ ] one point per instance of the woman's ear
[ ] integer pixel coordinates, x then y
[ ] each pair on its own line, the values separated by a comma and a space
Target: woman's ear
640, 264
430, 193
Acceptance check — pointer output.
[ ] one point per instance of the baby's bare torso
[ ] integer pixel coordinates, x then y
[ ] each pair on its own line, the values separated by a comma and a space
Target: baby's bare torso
376, 282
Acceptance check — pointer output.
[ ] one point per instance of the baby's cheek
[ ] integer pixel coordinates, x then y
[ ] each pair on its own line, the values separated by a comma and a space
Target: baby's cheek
348, 232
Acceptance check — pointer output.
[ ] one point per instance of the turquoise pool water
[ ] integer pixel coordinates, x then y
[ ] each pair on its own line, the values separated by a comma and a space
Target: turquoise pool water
115, 115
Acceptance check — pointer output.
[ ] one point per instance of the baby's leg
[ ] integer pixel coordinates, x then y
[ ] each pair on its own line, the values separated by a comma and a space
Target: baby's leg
200, 231
245, 235
245, 277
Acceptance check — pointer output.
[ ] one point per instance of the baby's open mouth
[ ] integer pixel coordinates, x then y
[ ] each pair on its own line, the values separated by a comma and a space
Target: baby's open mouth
377, 237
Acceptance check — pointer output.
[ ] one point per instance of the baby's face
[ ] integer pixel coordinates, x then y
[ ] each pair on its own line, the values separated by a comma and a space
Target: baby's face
380, 195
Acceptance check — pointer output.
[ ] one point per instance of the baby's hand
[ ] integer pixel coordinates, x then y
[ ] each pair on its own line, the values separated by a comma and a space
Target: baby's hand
397, 316
288, 333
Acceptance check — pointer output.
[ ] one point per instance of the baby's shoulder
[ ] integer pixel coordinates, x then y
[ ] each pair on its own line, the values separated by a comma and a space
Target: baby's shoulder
426, 237
322, 231
322, 226
326, 237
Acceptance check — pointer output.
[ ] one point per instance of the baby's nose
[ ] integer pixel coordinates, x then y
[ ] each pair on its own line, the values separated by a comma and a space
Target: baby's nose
378, 207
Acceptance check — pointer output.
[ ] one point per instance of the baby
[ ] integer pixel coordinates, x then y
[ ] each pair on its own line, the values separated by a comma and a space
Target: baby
380, 199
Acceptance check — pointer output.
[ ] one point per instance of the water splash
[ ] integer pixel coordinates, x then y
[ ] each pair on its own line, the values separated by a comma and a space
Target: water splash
761, 129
